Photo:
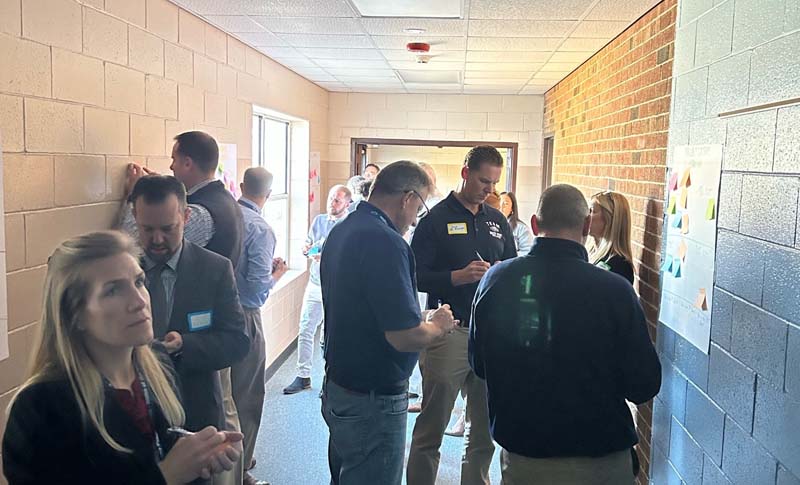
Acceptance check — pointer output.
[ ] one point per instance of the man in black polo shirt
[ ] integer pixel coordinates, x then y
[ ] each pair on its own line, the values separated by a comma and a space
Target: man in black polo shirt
562, 344
454, 247
374, 329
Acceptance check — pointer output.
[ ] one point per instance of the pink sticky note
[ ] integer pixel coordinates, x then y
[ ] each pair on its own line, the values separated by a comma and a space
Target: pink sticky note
673, 181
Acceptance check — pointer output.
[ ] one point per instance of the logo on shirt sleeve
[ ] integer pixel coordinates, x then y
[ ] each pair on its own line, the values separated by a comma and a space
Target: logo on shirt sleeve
494, 229
457, 228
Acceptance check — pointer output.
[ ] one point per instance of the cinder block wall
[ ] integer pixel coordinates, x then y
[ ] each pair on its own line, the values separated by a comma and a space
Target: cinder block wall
87, 87
733, 416
609, 120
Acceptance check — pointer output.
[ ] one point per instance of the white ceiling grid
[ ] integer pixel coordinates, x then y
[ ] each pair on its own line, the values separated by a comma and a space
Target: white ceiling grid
497, 47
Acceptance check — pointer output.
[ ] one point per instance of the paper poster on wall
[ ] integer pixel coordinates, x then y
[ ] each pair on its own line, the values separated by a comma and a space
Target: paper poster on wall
314, 178
227, 170
687, 270
3, 286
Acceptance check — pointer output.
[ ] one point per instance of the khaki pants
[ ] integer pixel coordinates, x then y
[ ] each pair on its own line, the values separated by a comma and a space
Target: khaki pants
612, 469
236, 475
445, 371
247, 381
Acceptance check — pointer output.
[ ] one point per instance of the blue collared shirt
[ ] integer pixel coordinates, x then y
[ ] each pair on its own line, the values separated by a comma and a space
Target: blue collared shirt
254, 273
317, 233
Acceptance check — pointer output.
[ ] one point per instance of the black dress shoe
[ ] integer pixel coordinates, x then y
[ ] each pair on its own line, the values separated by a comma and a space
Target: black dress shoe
299, 384
251, 480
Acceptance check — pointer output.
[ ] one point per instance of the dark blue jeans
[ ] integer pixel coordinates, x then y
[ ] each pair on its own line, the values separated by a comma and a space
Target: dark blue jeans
367, 436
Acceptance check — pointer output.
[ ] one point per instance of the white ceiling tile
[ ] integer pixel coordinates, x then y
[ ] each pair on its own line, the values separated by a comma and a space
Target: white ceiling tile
520, 28
597, 28
261, 39
310, 72
627, 10
296, 62
344, 53
432, 88
581, 45
546, 77
322, 40
437, 43
495, 82
559, 66
280, 52
235, 23
540, 89
409, 8
397, 26
523, 75
302, 8
579, 57
433, 65
361, 72
306, 25
491, 89
529, 9
503, 66
439, 55
351, 64
512, 44
506, 56
332, 86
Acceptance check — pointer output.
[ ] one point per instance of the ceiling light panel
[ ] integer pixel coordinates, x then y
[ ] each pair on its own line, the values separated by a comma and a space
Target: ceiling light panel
259, 39
329, 53
529, 9
512, 44
596, 28
235, 23
520, 28
294, 25
397, 26
302, 8
439, 56
431, 77
437, 43
627, 10
321, 40
409, 8
506, 56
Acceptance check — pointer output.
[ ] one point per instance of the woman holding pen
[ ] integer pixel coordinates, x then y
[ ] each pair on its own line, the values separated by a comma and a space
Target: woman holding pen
99, 404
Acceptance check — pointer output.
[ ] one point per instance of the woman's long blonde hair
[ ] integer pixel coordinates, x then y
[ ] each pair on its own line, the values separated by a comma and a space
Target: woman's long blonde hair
61, 352
616, 237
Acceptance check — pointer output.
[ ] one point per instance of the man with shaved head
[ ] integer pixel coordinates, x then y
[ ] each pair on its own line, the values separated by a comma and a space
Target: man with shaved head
562, 345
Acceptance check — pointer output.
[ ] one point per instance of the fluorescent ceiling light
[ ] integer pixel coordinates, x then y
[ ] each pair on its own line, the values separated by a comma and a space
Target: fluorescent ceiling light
429, 77
409, 8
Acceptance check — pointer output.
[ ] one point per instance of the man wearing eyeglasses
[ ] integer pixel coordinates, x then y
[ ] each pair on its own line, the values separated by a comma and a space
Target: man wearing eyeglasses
339, 198
374, 329
454, 246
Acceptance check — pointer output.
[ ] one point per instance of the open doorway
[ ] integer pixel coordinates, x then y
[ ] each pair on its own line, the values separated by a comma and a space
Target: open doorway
446, 158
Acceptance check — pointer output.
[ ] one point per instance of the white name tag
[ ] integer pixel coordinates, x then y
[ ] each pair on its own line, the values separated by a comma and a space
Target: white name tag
199, 320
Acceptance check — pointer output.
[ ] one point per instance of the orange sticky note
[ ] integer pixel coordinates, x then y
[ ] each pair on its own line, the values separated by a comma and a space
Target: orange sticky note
683, 199
682, 249
701, 301
686, 180
673, 181
685, 224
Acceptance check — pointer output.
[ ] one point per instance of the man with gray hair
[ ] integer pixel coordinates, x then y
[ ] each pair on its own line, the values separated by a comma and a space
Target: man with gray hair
256, 274
374, 329
562, 345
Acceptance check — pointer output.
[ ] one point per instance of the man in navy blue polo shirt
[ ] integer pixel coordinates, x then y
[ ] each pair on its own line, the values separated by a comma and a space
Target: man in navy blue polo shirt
454, 246
562, 345
374, 329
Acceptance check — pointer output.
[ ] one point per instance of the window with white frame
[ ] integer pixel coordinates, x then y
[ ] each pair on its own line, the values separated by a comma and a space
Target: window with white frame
271, 151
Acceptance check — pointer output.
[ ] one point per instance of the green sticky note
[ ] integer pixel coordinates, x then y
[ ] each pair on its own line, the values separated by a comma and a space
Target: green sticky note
711, 210
671, 208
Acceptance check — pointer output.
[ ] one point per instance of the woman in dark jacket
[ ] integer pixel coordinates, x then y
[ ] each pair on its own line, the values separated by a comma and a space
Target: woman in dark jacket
610, 231
99, 402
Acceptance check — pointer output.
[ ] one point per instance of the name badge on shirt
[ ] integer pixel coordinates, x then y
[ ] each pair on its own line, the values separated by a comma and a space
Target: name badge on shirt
457, 228
199, 320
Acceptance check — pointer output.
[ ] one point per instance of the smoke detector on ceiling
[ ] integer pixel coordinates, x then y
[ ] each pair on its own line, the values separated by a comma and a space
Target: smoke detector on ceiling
420, 51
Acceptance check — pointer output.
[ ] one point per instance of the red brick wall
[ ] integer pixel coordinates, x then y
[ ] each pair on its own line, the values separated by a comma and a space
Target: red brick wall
609, 119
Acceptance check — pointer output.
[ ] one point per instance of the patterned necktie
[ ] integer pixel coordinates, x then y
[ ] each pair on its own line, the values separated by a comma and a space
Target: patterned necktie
158, 299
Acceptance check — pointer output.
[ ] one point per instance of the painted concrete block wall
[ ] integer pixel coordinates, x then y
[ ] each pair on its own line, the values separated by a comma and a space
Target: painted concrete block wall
731, 417
86, 87
440, 117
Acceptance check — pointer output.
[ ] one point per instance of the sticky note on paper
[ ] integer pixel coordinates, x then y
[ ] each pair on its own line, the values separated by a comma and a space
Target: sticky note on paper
683, 199
701, 301
671, 207
666, 266
673, 181
686, 180
711, 210
682, 249
685, 223
676, 267
676, 221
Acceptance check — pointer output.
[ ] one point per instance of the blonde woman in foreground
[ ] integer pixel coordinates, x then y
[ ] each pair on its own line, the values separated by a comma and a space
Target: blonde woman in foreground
99, 401
610, 231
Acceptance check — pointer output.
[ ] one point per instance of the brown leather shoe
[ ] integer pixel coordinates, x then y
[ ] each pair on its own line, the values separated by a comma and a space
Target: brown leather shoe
415, 407
251, 480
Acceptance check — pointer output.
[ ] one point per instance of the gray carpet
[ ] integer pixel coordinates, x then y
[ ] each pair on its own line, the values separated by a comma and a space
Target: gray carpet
293, 441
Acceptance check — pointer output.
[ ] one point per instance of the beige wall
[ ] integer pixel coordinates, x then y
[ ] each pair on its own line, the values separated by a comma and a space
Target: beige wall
86, 88
440, 117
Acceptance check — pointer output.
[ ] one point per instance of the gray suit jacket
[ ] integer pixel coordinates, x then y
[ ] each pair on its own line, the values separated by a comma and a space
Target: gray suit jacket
205, 293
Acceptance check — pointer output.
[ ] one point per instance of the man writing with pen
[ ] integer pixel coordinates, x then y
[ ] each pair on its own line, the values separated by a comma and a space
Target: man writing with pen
454, 246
